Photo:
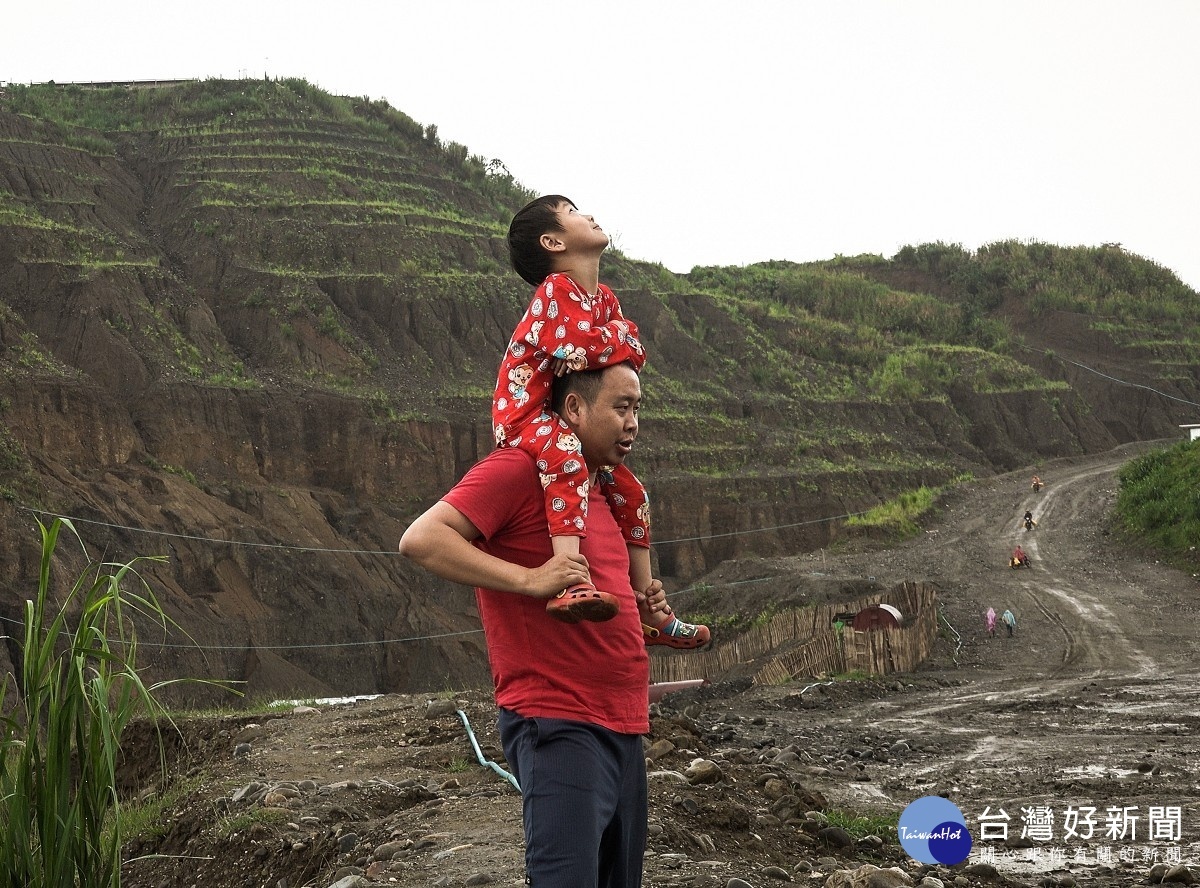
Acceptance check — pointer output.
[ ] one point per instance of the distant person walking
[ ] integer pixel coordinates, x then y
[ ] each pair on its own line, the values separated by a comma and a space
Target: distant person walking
990, 616
1010, 622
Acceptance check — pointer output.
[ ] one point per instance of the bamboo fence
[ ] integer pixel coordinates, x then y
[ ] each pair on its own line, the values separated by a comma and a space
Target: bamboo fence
806, 643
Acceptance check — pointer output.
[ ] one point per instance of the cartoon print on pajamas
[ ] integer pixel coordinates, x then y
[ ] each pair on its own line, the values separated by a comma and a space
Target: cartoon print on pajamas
518, 379
588, 332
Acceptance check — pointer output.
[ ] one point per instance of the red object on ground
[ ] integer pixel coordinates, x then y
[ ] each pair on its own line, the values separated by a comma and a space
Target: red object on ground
877, 616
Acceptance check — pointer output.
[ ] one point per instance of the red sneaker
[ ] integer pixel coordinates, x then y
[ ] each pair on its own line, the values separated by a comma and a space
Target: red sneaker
677, 634
583, 602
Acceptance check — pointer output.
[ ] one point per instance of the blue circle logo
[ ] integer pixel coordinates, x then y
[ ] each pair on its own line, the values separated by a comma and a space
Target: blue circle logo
933, 830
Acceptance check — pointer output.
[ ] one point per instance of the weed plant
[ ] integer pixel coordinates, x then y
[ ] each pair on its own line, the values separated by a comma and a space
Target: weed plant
860, 825
63, 716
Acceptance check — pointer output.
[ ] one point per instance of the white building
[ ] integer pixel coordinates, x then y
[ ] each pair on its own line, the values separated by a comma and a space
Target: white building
1193, 431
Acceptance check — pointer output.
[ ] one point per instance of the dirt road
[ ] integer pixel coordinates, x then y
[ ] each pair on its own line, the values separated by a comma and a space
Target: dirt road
1078, 735
1091, 704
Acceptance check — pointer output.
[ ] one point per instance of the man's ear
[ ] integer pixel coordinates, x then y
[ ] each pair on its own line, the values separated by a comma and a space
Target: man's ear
551, 242
571, 406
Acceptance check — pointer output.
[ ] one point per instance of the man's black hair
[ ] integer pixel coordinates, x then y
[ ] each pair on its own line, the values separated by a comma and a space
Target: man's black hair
529, 258
585, 383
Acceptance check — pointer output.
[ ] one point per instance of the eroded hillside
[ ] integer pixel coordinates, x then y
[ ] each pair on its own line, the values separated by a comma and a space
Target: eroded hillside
253, 327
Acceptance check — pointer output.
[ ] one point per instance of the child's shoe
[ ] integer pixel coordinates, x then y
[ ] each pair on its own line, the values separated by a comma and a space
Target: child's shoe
582, 602
675, 633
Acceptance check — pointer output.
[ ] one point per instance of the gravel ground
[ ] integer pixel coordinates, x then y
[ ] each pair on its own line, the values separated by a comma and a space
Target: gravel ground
1090, 706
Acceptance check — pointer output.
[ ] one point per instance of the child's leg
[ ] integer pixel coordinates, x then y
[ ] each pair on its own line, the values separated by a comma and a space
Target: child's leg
631, 507
629, 504
582, 601
663, 627
565, 545
565, 482
640, 574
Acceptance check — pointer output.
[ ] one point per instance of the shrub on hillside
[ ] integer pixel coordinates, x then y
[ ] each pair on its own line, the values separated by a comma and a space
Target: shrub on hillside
1159, 500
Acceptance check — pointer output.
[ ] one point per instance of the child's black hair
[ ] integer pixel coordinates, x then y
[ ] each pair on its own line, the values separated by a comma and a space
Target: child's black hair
528, 257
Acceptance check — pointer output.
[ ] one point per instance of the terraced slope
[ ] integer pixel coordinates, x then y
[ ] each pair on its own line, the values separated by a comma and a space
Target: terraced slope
253, 327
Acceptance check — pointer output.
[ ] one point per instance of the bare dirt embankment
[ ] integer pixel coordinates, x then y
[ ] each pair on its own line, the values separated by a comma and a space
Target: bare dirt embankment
1092, 704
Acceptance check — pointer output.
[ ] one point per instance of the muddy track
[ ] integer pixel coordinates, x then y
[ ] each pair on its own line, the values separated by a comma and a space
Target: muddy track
1096, 639
1093, 702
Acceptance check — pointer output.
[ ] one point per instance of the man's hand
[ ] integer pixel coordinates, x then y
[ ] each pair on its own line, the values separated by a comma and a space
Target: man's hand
655, 598
560, 572
560, 367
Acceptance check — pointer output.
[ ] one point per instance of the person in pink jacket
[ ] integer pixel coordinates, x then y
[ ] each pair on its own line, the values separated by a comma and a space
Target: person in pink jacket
574, 322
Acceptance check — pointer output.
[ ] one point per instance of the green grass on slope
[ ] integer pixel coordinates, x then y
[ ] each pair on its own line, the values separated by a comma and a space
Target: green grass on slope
1159, 501
899, 516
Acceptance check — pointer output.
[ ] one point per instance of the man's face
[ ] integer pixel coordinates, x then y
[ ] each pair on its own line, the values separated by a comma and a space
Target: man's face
608, 426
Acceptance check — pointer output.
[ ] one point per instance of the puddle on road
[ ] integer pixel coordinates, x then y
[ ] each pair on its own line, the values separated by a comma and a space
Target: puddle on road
1098, 771
867, 792
1129, 708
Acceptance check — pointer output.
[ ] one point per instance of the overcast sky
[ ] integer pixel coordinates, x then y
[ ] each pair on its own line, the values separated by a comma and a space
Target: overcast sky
703, 132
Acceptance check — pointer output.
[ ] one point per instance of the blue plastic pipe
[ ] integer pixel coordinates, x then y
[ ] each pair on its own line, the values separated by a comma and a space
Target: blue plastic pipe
487, 763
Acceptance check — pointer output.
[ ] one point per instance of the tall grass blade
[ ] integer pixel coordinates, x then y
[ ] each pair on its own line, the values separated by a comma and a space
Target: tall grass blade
76, 689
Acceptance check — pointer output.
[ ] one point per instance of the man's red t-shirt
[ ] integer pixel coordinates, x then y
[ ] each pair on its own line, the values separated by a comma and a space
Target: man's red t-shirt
597, 673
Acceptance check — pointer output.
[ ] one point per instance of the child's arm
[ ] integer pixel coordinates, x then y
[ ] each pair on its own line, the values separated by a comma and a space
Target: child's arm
600, 345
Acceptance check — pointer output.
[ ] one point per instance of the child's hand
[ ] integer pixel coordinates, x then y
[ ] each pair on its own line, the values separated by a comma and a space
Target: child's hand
566, 358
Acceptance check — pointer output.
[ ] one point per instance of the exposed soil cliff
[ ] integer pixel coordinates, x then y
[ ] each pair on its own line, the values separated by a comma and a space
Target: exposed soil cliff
225, 344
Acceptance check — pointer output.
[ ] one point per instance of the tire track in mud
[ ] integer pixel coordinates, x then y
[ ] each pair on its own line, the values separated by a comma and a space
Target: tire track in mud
1086, 636
1094, 702
1094, 639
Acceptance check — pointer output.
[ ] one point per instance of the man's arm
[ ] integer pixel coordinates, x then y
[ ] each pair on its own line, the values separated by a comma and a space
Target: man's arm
441, 542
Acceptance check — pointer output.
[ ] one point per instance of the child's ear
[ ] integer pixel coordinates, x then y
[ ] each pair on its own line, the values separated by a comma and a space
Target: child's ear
551, 242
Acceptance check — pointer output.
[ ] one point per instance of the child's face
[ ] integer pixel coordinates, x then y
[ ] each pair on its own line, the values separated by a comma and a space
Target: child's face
580, 232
